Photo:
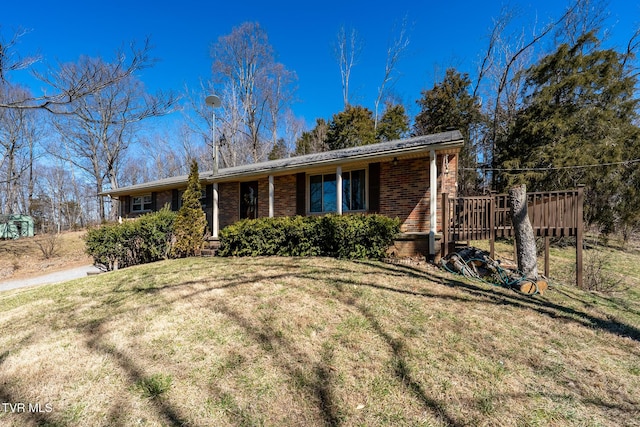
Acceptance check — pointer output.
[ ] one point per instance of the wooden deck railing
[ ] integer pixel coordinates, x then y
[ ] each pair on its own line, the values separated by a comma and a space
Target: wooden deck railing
552, 214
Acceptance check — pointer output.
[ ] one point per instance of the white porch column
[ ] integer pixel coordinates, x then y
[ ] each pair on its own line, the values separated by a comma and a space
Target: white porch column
433, 202
339, 190
216, 211
271, 196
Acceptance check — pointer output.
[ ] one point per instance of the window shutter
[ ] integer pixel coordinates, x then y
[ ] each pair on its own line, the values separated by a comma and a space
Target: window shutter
209, 196
126, 205
154, 199
374, 187
301, 191
175, 200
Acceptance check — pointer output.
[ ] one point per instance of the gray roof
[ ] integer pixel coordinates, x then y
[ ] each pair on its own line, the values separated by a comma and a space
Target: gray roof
373, 152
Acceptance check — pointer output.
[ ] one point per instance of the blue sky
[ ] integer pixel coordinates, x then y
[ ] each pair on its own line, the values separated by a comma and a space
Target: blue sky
443, 34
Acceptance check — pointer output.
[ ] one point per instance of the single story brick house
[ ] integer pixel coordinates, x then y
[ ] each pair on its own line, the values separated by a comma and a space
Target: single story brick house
392, 178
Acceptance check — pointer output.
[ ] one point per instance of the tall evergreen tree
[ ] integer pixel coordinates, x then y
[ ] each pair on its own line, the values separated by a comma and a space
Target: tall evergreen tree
351, 128
190, 223
579, 111
394, 123
313, 141
447, 105
279, 150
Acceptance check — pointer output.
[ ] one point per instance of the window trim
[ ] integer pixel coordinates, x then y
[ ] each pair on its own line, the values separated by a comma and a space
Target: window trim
142, 203
334, 172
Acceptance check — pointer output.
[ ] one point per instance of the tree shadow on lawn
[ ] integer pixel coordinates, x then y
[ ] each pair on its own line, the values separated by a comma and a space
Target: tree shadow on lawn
503, 296
403, 373
273, 342
320, 385
92, 331
135, 375
41, 418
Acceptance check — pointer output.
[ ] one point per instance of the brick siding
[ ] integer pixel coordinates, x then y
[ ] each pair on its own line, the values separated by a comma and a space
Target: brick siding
229, 203
284, 196
405, 193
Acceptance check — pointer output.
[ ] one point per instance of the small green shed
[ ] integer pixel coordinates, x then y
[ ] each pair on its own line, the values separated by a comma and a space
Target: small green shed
16, 226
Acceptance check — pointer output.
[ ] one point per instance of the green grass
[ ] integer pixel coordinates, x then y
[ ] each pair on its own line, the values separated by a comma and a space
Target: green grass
292, 341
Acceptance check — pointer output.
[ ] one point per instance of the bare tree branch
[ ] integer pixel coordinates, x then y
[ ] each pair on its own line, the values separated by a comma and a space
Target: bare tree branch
395, 50
347, 50
74, 81
10, 60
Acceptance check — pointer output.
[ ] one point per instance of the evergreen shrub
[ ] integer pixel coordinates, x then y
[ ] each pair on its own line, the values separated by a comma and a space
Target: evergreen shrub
346, 236
143, 240
190, 223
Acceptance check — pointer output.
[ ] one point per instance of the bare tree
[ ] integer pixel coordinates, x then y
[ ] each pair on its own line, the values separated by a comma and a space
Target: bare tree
161, 156
18, 130
69, 84
10, 59
279, 100
255, 92
347, 50
97, 128
396, 48
583, 17
506, 57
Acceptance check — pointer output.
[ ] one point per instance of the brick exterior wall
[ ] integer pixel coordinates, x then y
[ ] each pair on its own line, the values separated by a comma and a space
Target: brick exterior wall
263, 198
162, 198
405, 193
284, 196
229, 203
446, 183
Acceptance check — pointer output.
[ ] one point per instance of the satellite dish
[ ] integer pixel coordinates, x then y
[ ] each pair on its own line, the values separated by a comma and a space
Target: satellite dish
213, 100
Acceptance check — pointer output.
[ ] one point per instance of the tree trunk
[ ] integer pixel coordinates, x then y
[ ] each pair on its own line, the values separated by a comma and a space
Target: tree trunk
525, 239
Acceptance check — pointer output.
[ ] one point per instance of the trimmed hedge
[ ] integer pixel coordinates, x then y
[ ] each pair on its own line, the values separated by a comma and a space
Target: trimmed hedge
346, 236
140, 241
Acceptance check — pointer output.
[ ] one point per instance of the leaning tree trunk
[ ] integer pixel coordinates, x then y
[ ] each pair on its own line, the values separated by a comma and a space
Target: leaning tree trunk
525, 240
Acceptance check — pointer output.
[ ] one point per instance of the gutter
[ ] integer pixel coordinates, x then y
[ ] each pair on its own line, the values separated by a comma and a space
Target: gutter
345, 156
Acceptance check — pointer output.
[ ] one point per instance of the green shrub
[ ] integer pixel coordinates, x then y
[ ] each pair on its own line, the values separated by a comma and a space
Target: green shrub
347, 236
140, 241
190, 223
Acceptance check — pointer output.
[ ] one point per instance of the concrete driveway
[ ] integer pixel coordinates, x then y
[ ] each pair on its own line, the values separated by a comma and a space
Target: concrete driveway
57, 277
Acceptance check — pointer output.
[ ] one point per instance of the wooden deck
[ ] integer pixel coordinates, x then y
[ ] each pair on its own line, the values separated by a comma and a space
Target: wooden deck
552, 214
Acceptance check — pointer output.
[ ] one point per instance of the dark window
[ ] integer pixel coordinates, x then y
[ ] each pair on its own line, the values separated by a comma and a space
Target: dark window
323, 192
249, 200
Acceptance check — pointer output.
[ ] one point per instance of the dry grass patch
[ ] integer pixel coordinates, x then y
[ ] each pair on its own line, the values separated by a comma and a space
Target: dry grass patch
24, 258
285, 341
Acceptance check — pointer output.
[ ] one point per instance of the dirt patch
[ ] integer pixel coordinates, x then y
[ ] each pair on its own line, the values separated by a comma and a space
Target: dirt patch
23, 258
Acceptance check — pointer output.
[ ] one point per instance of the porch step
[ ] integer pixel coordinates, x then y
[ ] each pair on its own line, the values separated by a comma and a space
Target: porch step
208, 252
211, 247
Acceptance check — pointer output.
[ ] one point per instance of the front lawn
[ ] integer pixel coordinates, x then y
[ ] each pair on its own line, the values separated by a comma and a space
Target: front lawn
314, 341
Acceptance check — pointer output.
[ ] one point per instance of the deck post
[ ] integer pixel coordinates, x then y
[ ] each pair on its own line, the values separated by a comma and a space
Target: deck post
579, 235
547, 243
445, 224
492, 226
